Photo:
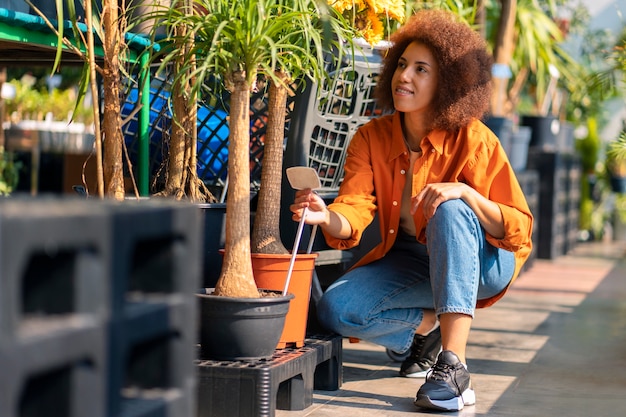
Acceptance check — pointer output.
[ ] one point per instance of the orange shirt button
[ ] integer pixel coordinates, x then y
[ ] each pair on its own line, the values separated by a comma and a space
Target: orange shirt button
391, 231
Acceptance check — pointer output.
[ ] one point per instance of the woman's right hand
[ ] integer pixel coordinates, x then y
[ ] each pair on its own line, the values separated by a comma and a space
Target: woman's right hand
317, 212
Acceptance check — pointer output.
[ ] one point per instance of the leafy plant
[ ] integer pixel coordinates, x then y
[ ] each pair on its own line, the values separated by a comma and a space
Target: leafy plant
9, 172
31, 103
620, 208
616, 156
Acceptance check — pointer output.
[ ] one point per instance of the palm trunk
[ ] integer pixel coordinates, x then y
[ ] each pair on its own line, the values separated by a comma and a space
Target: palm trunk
112, 122
174, 183
266, 233
503, 53
182, 177
236, 279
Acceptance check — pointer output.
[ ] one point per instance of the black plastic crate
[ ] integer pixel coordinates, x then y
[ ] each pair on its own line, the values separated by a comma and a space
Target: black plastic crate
151, 366
559, 194
529, 182
53, 307
156, 270
97, 307
257, 388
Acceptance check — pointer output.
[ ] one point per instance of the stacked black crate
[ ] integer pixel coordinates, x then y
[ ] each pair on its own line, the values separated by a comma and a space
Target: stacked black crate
53, 308
559, 196
156, 269
573, 207
529, 181
97, 308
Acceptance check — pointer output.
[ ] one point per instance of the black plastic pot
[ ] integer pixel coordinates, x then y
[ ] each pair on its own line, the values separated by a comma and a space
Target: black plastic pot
545, 131
241, 328
214, 237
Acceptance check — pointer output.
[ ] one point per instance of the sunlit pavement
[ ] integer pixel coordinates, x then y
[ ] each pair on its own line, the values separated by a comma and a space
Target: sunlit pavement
554, 346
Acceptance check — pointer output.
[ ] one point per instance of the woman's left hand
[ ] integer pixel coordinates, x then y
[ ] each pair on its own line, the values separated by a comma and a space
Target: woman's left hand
434, 194
488, 212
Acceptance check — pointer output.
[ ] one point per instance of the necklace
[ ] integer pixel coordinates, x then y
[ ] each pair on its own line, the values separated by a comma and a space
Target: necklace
410, 148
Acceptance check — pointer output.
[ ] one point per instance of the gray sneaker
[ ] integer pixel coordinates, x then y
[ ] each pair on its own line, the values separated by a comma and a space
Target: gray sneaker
422, 356
448, 386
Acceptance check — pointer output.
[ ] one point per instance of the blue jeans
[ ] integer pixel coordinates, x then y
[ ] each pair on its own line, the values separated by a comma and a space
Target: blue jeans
383, 302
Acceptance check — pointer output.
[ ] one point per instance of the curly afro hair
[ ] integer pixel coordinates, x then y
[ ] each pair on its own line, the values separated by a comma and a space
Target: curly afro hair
464, 87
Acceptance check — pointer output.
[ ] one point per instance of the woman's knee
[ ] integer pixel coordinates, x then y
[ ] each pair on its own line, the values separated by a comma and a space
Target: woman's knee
451, 217
329, 310
450, 210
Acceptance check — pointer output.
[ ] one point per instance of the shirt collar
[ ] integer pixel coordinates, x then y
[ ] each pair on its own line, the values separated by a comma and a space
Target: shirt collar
437, 138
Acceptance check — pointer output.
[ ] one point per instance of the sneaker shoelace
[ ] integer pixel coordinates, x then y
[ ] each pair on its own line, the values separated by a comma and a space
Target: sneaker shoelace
441, 372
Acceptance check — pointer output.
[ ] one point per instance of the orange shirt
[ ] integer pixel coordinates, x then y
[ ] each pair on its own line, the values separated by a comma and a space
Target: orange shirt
375, 174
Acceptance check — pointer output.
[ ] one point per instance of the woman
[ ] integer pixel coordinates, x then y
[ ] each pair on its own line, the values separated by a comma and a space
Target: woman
455, 226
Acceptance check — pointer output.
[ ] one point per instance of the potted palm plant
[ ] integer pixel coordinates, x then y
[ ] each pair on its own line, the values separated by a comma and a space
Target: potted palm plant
241, 42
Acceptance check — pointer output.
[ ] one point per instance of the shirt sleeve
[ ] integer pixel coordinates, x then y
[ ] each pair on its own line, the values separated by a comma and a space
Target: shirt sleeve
491, 174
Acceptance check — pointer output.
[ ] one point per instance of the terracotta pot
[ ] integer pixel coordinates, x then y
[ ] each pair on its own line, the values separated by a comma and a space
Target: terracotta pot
270, 271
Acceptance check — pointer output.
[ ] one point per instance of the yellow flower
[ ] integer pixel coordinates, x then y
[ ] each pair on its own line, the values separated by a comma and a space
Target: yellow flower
342, 5
370, 17
393, 9
370, 27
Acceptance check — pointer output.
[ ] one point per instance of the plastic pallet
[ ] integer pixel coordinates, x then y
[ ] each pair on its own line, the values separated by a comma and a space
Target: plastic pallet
258, 388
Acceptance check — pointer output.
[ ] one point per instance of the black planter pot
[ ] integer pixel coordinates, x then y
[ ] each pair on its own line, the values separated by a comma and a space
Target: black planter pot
214, 236
241, 328
545, 131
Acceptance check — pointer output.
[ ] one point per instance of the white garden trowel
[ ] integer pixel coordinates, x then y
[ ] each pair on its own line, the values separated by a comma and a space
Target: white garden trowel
301, 178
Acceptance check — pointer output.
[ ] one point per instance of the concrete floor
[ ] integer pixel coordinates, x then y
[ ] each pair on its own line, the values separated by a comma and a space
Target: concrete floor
555, 345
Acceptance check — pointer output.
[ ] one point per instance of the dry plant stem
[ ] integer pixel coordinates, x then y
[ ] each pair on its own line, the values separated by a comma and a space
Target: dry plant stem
266, 232
64, 40
191, 176
236, 279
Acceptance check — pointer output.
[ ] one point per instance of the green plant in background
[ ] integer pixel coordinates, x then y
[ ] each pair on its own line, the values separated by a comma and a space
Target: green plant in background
620, 208
9, 172
589, 149
33, 103
616, 156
